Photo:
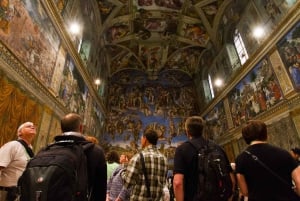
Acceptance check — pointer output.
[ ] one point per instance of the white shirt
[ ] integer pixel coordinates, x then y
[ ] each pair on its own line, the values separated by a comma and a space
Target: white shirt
14, 158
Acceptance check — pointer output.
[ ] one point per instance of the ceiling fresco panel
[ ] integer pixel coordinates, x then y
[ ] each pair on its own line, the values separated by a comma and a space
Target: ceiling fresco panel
105, 8
194, 32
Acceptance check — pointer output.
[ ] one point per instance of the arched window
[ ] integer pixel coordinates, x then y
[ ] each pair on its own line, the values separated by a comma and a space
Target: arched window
240, 47
211, 86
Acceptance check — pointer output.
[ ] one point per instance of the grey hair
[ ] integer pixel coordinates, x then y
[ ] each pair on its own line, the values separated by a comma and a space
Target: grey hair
21, 126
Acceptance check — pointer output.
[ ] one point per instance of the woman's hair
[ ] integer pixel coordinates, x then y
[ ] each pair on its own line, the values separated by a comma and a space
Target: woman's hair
112, 157
194, 126
92, 139
255, 130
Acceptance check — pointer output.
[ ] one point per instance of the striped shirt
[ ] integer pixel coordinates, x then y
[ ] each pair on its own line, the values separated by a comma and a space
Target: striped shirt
115, 186
156, 168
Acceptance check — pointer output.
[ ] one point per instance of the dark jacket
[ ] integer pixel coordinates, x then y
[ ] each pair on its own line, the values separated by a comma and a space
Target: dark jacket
96, 167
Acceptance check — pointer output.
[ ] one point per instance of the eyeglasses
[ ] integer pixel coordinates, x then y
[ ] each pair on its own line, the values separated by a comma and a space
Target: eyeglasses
29, 126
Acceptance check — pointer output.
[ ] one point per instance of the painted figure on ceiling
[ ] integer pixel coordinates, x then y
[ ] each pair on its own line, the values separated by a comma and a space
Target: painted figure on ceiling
6, 14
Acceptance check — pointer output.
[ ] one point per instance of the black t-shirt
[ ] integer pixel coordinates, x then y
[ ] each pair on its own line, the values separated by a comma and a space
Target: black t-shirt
263, 185
185, 162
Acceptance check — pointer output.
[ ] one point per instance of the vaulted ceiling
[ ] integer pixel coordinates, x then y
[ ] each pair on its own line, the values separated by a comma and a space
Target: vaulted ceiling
164, 40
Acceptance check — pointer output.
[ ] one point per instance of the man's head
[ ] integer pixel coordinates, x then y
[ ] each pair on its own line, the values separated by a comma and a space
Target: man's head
71, 122
295, 153
149, 137
27, 131
255, 130
194, 126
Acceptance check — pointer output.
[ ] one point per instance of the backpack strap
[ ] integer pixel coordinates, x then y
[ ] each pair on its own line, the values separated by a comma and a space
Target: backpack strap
255, 158
27, 148
145, 174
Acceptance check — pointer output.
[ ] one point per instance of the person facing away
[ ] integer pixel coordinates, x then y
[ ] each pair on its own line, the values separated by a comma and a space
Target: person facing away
115, 188
92, 139
71, 126
14, 158
156, 169
295, 152
112, 158
185, 169
255, 179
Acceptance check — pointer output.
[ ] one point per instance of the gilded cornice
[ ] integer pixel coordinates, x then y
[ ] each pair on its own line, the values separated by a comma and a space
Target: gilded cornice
17, 72
66, 40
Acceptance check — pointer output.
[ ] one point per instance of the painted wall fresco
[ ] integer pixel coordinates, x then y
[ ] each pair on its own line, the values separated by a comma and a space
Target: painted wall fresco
28, 32
140, 104
289, 50
255, 93
216, 122
16, 108
283, 133
73, 91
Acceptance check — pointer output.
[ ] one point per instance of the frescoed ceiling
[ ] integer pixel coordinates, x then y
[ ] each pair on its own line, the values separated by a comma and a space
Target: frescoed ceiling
160, 35
154, 50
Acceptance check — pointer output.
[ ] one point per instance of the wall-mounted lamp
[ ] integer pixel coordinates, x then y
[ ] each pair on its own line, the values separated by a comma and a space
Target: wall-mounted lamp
75, 28
258, 32
218, 82
97, 82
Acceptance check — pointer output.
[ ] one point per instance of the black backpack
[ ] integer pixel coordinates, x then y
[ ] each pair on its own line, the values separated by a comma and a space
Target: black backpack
214, 181
57, 173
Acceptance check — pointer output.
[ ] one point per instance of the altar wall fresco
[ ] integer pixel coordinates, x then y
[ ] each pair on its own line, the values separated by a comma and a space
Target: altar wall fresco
136, 105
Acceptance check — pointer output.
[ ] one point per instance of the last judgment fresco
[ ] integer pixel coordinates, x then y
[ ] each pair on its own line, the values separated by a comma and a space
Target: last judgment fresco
144, 104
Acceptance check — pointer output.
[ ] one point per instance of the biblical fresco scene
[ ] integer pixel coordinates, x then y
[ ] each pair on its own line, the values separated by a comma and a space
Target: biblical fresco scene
141, 103
256, 93
216, 121
26, 29
289, 50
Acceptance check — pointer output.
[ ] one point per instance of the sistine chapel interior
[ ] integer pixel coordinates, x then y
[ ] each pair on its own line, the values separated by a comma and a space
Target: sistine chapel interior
129, 65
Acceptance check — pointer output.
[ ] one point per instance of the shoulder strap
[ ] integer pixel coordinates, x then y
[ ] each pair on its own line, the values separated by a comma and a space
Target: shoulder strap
254, 157
145, 174
202, 146
27, 148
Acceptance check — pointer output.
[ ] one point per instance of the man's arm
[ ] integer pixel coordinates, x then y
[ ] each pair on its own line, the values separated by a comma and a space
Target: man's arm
242, 184
296, 179
178, 187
